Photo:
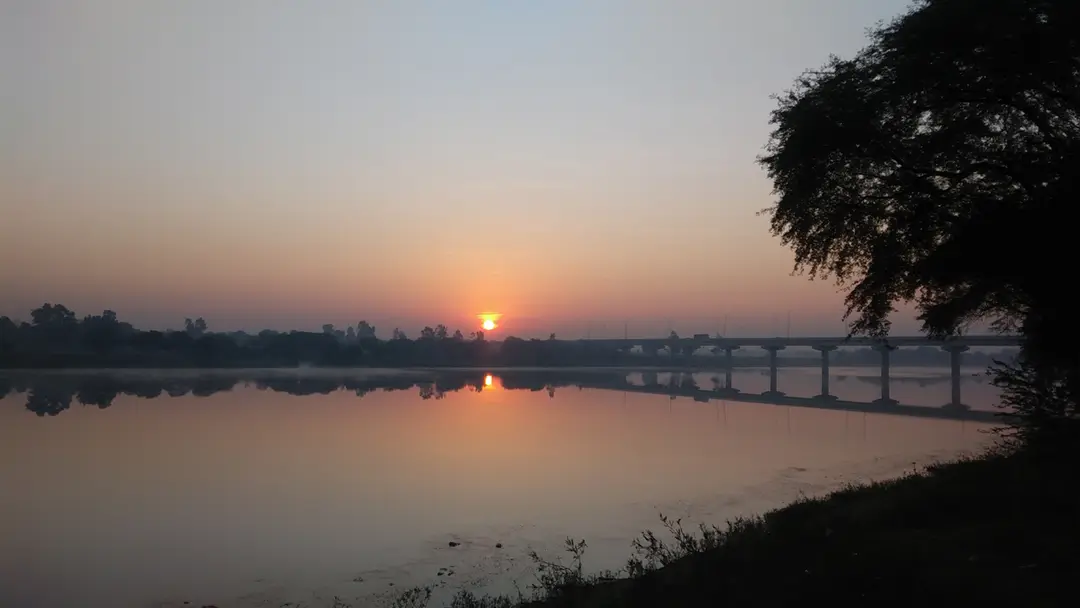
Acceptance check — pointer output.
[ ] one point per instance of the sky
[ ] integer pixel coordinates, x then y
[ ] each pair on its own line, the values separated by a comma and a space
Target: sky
584, 167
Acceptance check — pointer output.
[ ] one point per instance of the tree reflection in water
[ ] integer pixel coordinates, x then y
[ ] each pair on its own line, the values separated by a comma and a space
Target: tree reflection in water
49, 394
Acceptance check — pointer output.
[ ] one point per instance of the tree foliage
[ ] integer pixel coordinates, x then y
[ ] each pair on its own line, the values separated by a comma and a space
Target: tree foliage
954, 132
956, 129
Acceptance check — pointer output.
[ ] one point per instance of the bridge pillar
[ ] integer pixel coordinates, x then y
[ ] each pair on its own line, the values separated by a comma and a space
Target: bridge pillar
955, 351
772, 368
885, 350
825, 350
730, 363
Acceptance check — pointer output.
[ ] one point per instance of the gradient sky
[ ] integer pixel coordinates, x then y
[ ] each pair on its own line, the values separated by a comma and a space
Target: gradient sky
569, 163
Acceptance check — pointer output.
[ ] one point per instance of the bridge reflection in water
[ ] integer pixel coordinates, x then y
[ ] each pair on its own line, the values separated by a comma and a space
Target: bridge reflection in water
51, 393
684, 385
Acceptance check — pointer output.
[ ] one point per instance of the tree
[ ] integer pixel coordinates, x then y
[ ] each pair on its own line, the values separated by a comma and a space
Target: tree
103, 332
427, 333
365, 330
458, 336
328, 329
8, 330
956, 130
55, 324
897, 169
399, 335
53, 317
441, 333
195, 328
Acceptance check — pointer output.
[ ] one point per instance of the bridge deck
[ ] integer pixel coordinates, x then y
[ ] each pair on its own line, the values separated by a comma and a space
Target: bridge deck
910, 341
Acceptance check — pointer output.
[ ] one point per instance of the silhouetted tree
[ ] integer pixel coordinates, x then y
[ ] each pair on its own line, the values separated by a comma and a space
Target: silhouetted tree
8, 333
399, 335
53, 316
195, 328
957, 129
458, 337
103, 333
55, 326
365, 330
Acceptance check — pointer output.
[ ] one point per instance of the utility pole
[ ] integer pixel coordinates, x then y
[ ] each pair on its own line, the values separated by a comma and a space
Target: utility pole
789, 324
625, 330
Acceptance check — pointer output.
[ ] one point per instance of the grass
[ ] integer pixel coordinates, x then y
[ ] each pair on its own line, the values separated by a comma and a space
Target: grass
995, 530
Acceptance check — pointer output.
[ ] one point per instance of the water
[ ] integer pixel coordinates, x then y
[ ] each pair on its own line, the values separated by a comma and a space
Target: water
256, 497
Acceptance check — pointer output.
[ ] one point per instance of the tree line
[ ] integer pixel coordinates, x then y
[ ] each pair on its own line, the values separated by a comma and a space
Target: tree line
56, 337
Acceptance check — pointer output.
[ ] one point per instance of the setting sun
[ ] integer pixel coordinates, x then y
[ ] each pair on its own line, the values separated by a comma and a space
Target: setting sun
489, 320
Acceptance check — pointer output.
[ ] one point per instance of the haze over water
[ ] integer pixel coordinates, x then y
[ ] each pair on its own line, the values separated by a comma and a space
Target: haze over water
253, 497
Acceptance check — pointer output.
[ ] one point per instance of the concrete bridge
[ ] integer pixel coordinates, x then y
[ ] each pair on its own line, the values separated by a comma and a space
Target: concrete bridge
955, 346
702, 340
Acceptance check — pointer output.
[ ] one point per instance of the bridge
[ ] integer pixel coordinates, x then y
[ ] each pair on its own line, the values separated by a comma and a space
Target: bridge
723, 343
955, 346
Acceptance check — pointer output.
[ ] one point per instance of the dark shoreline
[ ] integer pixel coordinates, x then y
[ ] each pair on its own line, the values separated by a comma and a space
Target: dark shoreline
999, 527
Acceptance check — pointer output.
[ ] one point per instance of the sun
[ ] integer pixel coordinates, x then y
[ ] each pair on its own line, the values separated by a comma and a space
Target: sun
489, 320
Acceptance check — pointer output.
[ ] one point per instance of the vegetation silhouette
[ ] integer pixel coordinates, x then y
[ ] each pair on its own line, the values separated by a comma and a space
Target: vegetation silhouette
900, 170
56, 338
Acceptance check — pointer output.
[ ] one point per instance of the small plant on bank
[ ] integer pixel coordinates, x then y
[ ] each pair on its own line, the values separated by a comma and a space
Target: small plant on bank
651, 553
417, 597
467, 599
557, 580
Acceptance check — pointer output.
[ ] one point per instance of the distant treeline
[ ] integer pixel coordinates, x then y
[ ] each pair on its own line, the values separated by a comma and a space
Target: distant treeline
57, 338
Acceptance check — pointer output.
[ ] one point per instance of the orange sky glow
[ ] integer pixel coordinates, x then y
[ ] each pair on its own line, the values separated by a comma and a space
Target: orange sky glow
565, 165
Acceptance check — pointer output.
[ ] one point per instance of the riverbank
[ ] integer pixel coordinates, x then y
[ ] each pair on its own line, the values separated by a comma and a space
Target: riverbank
995, 530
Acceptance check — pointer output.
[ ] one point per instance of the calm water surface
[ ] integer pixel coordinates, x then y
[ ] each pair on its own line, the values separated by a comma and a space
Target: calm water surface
252, 496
